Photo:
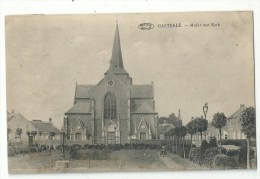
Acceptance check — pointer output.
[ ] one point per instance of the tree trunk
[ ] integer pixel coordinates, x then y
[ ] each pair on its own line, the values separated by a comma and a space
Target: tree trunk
248, 153
220, 142
176, 145
190, 141
201, 136
183, 147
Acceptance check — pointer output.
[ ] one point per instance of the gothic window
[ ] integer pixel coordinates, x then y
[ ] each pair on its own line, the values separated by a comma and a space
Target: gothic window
110, 106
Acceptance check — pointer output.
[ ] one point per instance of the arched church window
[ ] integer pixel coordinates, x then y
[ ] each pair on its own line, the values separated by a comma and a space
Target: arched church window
110, 106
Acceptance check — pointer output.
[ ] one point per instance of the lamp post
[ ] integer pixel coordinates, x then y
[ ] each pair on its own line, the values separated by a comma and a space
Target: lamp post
62, 155
205, 110
62, 162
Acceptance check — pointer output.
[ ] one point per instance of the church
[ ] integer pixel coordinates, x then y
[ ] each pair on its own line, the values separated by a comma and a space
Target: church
114, 111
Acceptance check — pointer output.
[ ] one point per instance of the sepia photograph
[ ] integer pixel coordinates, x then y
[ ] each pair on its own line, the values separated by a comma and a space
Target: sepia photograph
130, 92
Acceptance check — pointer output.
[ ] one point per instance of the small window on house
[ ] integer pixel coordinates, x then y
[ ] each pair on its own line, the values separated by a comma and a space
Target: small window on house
226, 136
116, 66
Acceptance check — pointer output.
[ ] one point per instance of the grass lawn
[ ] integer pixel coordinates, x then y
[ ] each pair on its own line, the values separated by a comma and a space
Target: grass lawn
123, 160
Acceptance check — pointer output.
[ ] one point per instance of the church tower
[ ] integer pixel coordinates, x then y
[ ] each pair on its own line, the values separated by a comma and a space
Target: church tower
116, 61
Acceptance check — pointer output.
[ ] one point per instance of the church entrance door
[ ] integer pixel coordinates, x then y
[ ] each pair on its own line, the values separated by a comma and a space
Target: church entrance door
111, 138
143, 136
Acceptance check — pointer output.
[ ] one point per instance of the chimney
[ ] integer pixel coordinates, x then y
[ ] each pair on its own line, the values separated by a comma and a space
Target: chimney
242, 105
50, 120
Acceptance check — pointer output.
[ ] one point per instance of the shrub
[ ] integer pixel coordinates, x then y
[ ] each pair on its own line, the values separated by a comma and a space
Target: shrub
233, 153
213, 142
204, 146
195, 155
209, 156
225, 162
243, 155
17, 150
204, 157
237, 142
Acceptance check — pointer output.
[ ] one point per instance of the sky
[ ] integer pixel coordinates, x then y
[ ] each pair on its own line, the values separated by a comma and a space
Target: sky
47, 54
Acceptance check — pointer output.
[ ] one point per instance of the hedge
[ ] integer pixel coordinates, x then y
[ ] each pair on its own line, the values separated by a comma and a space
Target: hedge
225, 162
237, 142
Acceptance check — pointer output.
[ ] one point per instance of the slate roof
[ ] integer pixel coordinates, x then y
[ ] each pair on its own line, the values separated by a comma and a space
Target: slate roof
238, 113
16, 116
44, 127
142, 91
82, 91
143, 108
137, 91
80, 107
165, 128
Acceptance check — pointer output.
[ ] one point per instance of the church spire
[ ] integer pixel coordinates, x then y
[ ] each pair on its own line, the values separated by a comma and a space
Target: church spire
116, 61
179, 114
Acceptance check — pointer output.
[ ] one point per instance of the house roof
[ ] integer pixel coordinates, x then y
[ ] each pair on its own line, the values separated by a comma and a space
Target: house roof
82, 91
80, 107
142, 91
16, 116
238, 113
165, 128
44, 127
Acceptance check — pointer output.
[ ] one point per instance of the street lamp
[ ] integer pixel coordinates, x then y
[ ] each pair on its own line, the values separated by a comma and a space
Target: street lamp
62, 155
205, 110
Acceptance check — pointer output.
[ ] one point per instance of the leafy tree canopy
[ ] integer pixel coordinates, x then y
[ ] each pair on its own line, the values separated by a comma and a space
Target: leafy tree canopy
19, 131
248, 122
200, 124
191, 129
219, 120
171, 119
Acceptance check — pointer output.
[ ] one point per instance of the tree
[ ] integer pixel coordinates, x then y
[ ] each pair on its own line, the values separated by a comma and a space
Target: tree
171, 119
182, 132
19, 132
201, 125
248, 124
174, 120
173, 133
162, 119
191, 129
219, 121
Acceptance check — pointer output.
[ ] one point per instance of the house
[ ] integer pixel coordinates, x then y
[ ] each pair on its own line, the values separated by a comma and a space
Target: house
233, 128
17, 126
163, 129
44, 130
20, 130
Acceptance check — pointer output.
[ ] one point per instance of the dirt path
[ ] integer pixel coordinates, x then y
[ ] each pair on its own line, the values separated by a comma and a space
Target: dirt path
175, 162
